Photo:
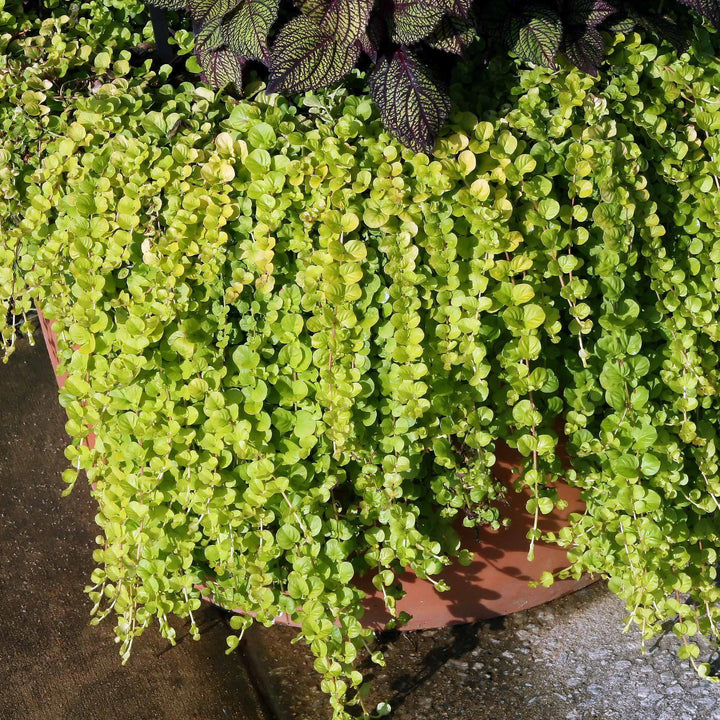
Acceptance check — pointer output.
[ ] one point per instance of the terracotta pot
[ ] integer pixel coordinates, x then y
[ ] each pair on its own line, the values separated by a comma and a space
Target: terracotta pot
51, 345
495, 583
52, 348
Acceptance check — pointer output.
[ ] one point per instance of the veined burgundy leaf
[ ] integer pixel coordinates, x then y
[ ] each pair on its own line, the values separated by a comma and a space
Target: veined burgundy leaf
586, 50
412, 104
208, 16
708, 8
587, 13
246, 30
368, 47
318, 42
204, 11
222, 66
415, 19
459, 8
169, 4
453, 34
621, 24
345, 19
374, 37
304, 57
207, 37
535, 35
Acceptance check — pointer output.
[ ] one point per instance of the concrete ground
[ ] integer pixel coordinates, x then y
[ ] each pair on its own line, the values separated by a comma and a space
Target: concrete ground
568, 659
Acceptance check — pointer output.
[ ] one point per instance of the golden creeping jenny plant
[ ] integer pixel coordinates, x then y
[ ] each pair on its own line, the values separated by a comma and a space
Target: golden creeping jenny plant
297, 343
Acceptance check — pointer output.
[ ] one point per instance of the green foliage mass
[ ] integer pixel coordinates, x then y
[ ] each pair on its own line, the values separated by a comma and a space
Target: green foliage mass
298, 343
44, 64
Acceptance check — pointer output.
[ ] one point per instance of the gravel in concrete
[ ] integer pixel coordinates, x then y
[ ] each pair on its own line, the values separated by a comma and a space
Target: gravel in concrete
568, 659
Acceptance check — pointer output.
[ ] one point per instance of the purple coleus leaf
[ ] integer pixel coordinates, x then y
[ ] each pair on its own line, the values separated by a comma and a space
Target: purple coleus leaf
582, 44
304, 57
204, 12
585, 50
169, 4
245, 31
374, 36
454, 35
345, 20
587, 13
535, 34
414, 20
708, 8
221, 67
311, 44
460, 8
412, 104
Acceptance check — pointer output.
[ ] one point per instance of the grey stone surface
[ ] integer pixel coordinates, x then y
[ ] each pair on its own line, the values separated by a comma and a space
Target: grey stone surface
568, 659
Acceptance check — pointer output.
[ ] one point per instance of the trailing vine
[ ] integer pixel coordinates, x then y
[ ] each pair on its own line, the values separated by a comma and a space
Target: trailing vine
298, 343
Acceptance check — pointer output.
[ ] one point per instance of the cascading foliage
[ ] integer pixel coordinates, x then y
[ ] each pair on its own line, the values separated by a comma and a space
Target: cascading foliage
411, 45
298, 342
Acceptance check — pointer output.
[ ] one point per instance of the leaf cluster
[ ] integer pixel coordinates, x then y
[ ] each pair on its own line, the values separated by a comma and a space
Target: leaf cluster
299, 343
411, 45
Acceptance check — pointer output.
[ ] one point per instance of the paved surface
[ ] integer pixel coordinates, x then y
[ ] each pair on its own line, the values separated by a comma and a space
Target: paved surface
568, 659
